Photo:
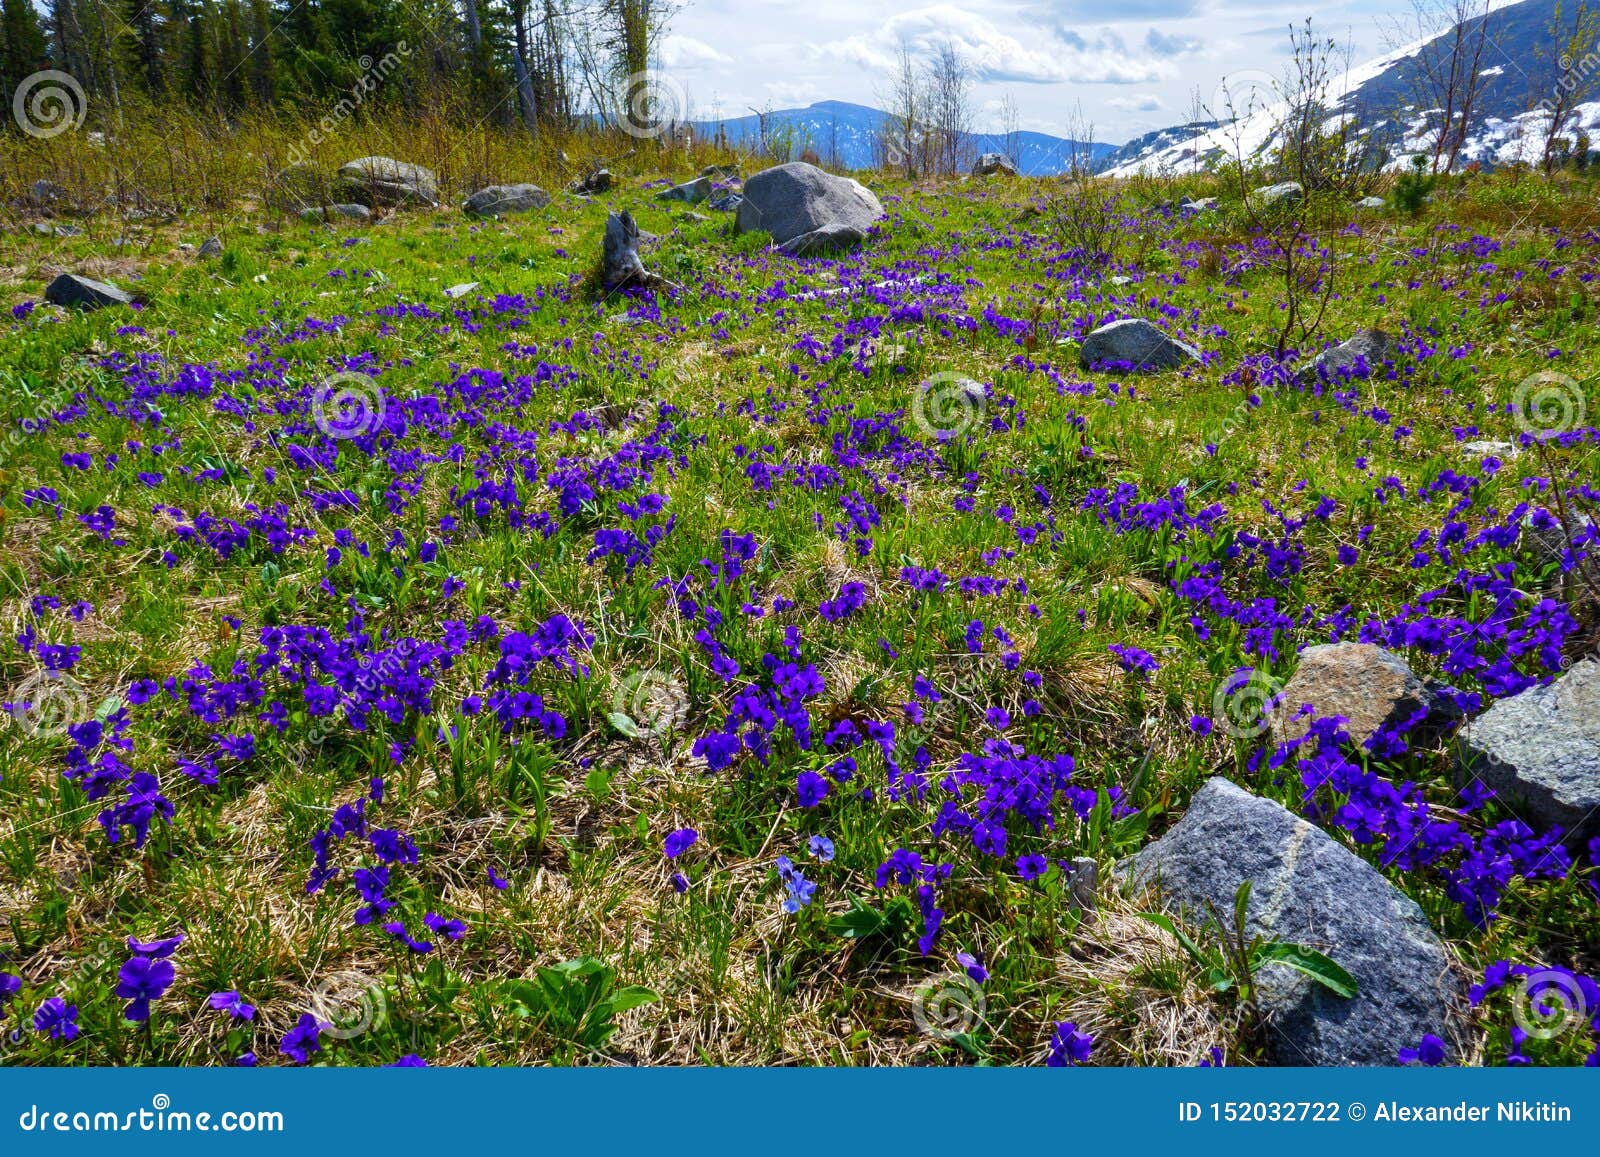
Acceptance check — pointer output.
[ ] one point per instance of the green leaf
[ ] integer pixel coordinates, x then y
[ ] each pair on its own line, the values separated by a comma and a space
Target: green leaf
863, 920
1314, 964
633, 996
623, 723
1164, 922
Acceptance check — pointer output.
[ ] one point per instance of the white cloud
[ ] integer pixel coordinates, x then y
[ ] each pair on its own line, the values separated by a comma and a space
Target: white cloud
1142, 102
685, 53
995, 55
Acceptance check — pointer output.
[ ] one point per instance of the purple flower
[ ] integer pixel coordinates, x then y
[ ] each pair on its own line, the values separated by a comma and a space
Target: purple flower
142, 980
409, 1061
303, 1039
679, 842
1068, 1046
973, 967
821, 848
1429, 1052
499, 881
1200, 725
449, 929
1031, 867
9, 986
233, 1004
58, 1018
156, 949
811, 788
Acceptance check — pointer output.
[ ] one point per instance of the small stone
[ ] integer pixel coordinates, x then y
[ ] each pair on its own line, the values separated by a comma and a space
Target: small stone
1359, 357
84, 293
599, 181
1284, 193
347, 210
1371, 203
990, 164
1137, 343
1540, 751
500, 199
211, 247
1368, 685
378, 181
690, 192
455, 292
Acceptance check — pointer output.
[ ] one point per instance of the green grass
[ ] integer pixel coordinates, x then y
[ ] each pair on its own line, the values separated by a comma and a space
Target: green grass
577, 825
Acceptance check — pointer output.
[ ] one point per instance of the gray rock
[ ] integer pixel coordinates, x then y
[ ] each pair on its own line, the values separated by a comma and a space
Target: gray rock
1549, 541
599, 181
211, 247
378, 181
1359, 357
726, 203
828, 239
1540, 751
499, 199
299, 187
797, 198
84, 293
690, 192
721, 172
1371, 203
1485, 449
1135, 341
990, 163
1369, 686
455, 292
1308, 889
1199, 205
343, 209
43, 193
621, 252
1284, 193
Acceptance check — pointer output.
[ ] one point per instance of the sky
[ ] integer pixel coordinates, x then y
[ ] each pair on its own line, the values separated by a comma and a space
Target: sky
1130, 65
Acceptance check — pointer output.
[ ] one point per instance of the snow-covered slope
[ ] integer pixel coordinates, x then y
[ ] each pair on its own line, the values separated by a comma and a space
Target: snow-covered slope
1380, 95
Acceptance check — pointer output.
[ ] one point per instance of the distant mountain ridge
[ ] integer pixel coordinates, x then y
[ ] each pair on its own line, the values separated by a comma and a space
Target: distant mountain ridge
1380, 97
839, 130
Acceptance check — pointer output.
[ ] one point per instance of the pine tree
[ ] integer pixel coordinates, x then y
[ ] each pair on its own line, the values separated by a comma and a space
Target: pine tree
22, 46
